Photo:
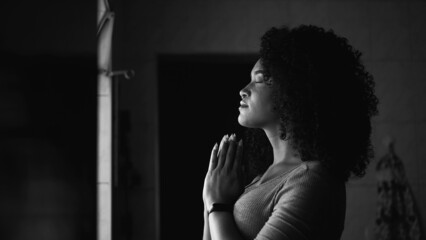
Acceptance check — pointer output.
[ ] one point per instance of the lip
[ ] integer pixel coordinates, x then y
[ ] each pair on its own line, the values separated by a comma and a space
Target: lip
243, 104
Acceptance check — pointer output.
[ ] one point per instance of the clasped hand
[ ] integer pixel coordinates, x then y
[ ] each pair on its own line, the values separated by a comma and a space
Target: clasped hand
223, 182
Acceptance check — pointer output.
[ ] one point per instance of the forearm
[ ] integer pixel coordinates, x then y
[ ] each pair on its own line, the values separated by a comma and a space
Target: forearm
206, 231
222, 226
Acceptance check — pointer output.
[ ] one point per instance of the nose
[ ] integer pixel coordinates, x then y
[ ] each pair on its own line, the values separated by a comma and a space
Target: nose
244, 92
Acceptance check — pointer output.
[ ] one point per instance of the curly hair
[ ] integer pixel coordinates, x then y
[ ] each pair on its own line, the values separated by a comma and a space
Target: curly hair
325, 99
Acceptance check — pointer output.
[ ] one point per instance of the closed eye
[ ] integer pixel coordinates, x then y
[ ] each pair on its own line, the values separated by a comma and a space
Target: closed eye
259, 78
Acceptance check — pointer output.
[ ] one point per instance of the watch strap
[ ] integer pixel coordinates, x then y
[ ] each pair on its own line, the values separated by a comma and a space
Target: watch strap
221, 207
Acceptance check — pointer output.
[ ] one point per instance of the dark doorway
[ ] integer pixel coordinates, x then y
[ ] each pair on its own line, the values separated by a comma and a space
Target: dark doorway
198, 104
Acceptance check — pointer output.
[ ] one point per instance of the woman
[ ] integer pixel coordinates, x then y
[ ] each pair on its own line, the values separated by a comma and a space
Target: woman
307, 110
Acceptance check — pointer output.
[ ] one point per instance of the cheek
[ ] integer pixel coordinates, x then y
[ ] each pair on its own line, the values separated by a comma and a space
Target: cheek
265, 109
265, 105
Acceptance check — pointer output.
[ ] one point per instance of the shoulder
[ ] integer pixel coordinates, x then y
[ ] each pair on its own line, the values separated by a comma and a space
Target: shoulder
310, 170
309, 199
311, 177
308, 187
306, 166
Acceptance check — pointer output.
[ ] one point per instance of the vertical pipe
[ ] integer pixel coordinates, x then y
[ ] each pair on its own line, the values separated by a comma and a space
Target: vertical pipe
104, 149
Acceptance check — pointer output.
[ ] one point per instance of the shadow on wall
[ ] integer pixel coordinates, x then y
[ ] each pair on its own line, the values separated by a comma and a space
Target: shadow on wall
48, 139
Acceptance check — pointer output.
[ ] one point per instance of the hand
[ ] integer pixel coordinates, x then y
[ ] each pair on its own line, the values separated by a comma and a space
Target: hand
223, 182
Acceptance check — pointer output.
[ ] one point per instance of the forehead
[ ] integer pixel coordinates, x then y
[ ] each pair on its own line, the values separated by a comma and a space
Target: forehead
257, 66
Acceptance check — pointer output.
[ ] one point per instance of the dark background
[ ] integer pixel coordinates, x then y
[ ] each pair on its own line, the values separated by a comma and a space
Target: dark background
198, 102
48, 116
48, 77
48, 152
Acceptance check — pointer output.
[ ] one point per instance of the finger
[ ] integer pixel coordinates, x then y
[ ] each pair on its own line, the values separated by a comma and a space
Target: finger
238, 156
213, 158
222, 153
230, 155
221, 144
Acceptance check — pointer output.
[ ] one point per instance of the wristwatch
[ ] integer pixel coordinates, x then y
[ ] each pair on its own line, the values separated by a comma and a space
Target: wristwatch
221, 207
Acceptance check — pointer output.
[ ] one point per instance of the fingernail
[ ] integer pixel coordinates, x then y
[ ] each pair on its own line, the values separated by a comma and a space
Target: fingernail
215, 146
222, 142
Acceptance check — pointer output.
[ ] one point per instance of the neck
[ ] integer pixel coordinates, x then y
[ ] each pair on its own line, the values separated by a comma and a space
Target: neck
282, 149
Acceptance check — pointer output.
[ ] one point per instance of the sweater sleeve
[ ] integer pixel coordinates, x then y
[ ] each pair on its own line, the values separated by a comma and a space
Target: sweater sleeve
298, 206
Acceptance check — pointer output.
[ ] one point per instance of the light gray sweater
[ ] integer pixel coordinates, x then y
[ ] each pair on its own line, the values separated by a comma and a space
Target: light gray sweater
303, 203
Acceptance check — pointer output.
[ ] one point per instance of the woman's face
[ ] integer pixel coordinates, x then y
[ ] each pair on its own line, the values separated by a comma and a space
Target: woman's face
256, 110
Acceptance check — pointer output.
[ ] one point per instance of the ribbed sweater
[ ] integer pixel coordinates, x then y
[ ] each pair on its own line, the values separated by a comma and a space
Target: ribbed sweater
303, 203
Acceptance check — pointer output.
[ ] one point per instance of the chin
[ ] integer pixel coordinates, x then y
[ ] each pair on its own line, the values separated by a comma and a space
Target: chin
243, 121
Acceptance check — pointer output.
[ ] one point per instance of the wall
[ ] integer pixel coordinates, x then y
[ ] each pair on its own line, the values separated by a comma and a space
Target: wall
389, 33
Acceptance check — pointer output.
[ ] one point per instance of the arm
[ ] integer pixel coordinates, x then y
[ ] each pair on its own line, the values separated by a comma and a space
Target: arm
222, 226
206, 231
